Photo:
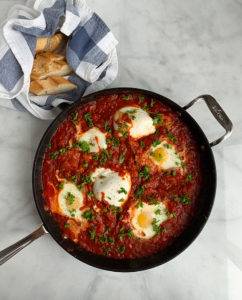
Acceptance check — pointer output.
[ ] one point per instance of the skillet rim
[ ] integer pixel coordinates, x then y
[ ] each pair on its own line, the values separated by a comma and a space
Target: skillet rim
123, 265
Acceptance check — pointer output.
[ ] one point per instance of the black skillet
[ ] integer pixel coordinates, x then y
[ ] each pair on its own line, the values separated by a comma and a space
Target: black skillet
205, 198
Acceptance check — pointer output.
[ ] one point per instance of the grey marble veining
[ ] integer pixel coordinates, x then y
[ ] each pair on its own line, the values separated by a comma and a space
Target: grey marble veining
177, 48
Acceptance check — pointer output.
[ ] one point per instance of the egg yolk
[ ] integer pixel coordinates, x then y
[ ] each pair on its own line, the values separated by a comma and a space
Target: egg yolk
160, 155
143, 220
71, 201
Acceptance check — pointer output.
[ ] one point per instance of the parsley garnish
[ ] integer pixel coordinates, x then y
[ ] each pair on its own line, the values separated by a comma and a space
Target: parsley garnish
126, 97
145, 108
49, 146
173, 138
54, 155
140, 204
84, 146
66, 225
61, 185
85, 164
121, 157
152, 200
151, 103
70, 198
142, 144
74, 117
122, 190
121, 200
88, 119
109, 130
157, 120
173, 172
155, 226
189, 177
139, 191
184, 199
91, 194
89, 215
92, 233
156, 142
141, 99
74, 179
145, 173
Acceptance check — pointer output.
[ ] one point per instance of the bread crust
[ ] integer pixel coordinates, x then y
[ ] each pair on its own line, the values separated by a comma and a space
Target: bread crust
49, 44
51, 86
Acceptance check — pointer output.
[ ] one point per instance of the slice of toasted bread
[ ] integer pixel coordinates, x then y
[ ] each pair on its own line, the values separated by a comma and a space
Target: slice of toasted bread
49, 56
43, 69
49, 44
51, 86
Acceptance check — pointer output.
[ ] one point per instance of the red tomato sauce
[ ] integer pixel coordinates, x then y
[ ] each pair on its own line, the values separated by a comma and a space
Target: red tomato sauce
109, 231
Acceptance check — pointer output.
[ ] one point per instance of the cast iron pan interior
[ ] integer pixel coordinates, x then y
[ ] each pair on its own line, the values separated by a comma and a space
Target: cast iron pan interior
206, 197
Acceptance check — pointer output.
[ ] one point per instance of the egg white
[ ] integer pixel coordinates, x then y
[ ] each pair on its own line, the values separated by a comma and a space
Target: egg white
67, 209
141, 124
170, 158
95, 138
148, 212
108, 184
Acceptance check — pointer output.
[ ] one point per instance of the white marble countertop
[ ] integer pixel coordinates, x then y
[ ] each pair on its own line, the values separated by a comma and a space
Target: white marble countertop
177, 48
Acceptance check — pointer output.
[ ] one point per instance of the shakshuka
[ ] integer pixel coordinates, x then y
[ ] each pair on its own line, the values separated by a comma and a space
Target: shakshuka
121, 176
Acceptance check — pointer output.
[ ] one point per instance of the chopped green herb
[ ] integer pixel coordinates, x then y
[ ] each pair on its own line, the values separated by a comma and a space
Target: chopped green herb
106, 251
54, 155
121, 200
131, 113
72, 212
164, 230
139, 191
49, 146
140, 204
177, 198
151, 103
121, 157
155, 226
122, 190
156, 142
61, 185
92, 233
102, 158
74, 117
91, 194
189, 177
142, 144
86, 180
152, 200
145, 173
173, 138
66, 225
167, 213
145, 108
109, 130
141, 99
116, 142
184, 199
111, 240
174, 215
95, 157
74, 179
89, 215
173, 172
105, 209
121, 217
126, 97
158, 212
85, 164
152, 153
70, 198
80, 188
157, 120
107, 154
85, 147
167, 146
88, 119
62, 150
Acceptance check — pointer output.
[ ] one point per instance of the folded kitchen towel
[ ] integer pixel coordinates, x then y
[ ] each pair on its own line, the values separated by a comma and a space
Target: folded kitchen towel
90, 51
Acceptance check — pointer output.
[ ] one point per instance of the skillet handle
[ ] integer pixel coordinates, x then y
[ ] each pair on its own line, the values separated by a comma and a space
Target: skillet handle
10, 251
218, 113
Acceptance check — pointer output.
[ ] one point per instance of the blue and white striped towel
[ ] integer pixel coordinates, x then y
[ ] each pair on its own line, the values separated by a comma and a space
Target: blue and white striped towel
91, 52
